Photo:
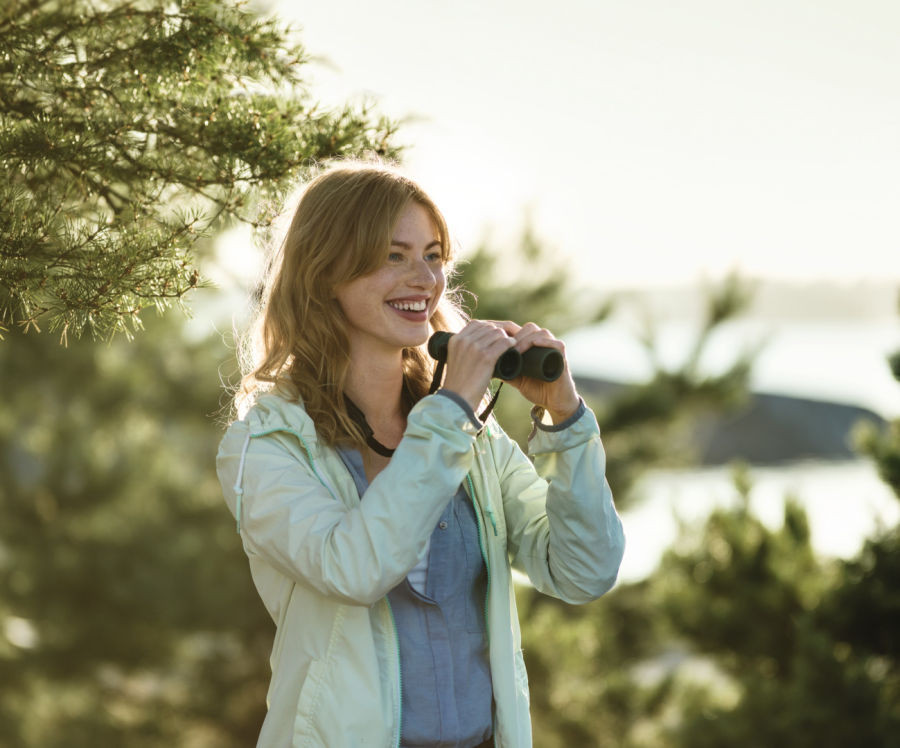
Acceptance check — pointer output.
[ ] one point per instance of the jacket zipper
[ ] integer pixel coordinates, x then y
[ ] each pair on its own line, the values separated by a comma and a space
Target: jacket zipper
399, 722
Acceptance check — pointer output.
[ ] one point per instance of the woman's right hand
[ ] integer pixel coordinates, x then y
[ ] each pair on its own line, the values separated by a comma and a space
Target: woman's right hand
471, 356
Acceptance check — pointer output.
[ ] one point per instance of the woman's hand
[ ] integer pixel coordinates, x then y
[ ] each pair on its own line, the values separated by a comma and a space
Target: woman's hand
473, 352
558, 398
471, 355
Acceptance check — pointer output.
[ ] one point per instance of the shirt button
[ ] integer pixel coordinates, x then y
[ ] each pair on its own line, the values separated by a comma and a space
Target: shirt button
442, 525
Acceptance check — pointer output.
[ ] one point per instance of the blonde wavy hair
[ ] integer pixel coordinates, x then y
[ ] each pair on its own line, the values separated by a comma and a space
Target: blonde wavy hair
341, 230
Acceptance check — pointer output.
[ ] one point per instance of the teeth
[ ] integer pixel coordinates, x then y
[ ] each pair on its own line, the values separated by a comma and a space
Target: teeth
409, 306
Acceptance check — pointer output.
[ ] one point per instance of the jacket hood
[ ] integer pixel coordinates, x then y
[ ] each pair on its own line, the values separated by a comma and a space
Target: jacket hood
273, 412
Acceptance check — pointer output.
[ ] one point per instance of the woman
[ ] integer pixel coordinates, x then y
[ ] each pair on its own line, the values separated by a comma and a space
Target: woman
380, 521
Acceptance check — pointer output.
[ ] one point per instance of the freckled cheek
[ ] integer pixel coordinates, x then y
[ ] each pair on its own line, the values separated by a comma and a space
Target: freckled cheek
384, 286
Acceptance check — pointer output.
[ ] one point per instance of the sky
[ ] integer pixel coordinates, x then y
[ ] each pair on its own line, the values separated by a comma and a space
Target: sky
648, 142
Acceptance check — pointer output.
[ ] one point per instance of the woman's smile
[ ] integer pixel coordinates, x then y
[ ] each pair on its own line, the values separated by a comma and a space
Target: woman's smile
414, 309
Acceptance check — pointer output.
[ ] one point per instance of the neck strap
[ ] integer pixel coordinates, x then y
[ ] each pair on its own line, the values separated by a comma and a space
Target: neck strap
360, 418
436, 385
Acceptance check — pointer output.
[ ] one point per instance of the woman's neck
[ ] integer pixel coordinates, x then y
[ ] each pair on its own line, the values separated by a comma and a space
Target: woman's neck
376, 386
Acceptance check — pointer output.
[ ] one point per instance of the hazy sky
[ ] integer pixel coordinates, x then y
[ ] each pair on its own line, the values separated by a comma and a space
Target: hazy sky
651, 141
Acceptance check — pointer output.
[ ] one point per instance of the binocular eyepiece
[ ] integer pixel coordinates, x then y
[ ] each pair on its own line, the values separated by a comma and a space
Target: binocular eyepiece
537, 362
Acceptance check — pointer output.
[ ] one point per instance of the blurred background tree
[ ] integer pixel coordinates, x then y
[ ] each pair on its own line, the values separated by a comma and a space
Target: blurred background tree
130, 130
127, 607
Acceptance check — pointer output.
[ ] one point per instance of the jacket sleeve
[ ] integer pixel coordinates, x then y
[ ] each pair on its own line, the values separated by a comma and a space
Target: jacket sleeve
291, 517
562, 527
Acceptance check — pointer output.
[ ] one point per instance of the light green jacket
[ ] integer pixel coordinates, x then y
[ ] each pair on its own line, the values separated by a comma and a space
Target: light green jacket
323, 561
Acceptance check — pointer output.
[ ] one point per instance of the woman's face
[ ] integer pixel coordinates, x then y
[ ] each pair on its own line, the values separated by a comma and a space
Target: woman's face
389, 309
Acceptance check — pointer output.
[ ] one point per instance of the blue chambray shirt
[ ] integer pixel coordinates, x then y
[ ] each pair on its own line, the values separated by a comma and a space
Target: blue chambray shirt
445, 671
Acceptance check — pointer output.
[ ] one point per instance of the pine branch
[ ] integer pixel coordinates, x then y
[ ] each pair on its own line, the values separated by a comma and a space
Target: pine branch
113, 113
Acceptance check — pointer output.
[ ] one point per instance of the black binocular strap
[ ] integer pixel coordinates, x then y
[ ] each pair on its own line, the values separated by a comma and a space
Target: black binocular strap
436, 385
357, 415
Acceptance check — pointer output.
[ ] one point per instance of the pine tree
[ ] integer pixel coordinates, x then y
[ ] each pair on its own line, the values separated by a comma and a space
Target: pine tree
130, 129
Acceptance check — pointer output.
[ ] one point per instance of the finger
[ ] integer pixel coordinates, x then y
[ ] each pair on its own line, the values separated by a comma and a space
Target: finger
471, 334
508, 326
483, 339
497, 341
546, 341
527, 335
483, 332
505, 338
532, 335
480, 326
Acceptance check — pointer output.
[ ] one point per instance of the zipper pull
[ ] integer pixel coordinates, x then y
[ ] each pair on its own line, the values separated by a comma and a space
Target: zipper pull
490, 515
239, 493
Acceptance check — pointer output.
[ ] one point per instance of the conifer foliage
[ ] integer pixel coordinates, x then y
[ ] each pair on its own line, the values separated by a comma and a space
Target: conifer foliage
127, 130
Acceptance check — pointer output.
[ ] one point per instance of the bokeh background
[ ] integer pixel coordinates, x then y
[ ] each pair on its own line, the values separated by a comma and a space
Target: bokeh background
699, 198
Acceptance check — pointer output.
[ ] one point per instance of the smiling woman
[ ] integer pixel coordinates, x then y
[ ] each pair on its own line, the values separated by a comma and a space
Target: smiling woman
382, 522
338, 252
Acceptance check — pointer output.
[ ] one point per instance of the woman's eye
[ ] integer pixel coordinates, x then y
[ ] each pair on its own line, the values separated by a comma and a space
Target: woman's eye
395, 257
434, 257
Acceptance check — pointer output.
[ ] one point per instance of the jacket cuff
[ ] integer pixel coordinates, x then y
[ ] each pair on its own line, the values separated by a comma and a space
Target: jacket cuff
579, 428
537, 414
458, 399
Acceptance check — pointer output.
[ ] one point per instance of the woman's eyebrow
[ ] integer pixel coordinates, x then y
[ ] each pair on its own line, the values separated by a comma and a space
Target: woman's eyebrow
406, 245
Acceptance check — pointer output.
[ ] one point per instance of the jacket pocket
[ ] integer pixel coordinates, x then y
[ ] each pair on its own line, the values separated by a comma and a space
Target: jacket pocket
305, 729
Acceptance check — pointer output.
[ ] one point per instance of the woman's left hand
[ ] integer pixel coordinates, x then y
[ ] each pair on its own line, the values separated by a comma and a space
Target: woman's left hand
558, 398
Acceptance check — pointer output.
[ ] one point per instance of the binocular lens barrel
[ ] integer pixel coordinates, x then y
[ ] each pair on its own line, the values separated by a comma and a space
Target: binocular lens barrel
537, 362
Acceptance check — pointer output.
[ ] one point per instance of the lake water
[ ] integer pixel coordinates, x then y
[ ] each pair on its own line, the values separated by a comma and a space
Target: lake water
846, 502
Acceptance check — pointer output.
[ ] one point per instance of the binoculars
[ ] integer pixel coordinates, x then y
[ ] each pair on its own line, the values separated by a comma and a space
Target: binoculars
537, 362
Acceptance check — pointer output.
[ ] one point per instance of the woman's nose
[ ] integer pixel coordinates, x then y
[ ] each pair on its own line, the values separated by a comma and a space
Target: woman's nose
423, 275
